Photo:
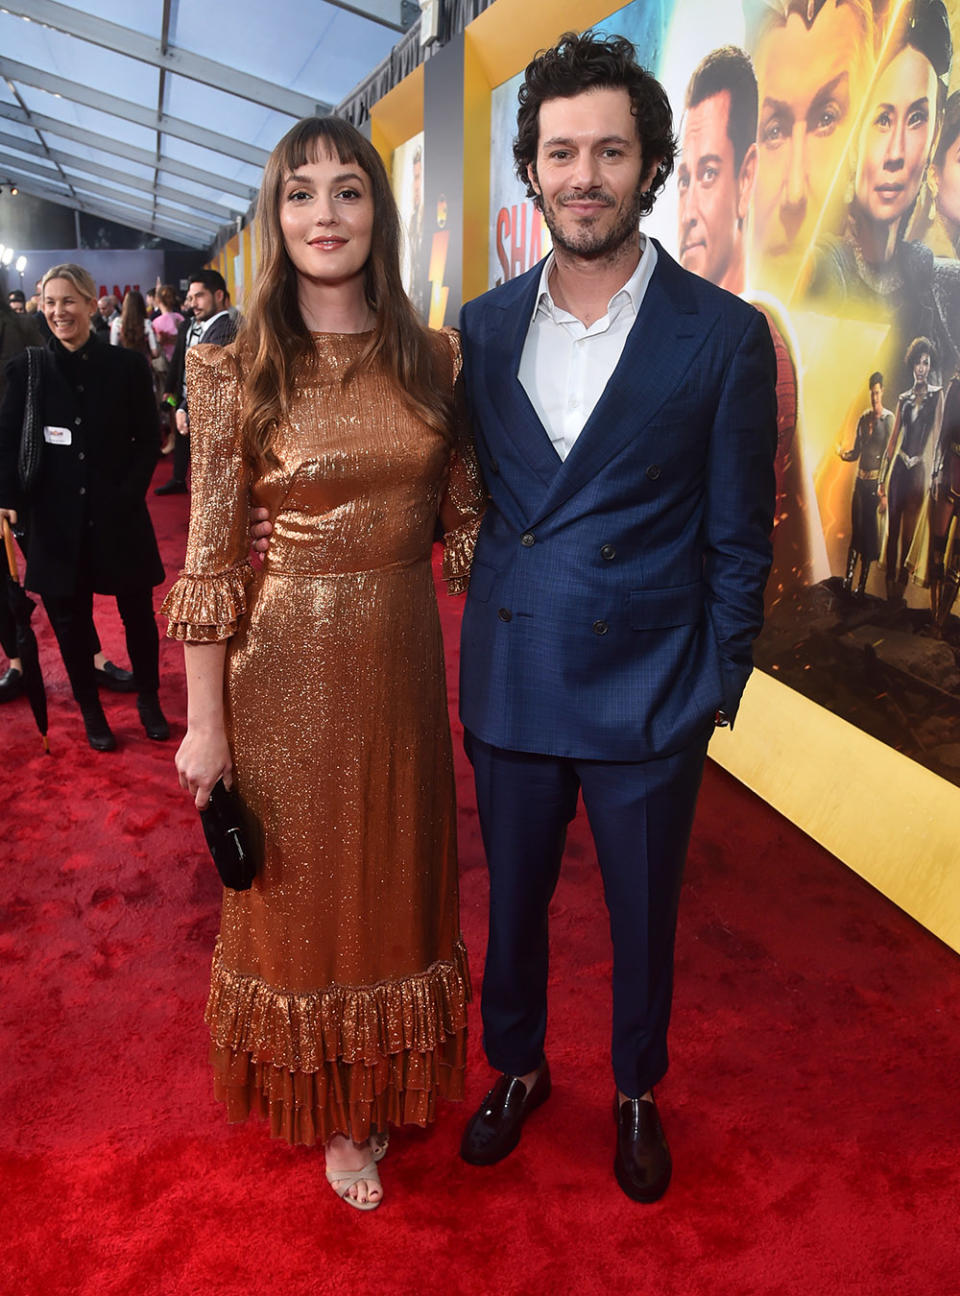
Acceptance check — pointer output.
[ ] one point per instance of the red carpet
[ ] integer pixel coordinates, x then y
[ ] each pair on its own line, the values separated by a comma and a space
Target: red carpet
811, 1107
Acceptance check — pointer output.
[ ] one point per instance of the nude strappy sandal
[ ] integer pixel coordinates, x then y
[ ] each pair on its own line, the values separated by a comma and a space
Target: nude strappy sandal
379, 1144
341, 1181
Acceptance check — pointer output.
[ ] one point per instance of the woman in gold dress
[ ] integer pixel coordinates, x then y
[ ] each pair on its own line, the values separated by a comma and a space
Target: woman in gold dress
339, 983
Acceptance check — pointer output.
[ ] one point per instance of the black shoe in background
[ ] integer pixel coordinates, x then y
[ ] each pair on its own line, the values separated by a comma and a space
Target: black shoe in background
99, 734
115, 678
11, 684
153, 720
172, 487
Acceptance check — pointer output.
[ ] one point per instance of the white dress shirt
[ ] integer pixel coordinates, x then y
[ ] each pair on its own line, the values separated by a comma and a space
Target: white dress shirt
565, 366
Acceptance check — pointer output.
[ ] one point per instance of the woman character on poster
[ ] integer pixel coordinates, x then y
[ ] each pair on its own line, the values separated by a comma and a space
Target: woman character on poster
873, 272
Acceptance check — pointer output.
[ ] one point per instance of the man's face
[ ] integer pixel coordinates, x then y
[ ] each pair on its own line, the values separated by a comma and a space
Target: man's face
808, 80
204, 303
876, 397
896, 137
948, 184
713, 196
17, 306
105, 307
590, 173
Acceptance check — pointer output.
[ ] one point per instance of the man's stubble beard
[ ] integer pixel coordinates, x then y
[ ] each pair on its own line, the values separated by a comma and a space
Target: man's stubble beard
587, 243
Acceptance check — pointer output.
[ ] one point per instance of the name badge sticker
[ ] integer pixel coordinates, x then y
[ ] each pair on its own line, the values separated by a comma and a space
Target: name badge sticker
58, 436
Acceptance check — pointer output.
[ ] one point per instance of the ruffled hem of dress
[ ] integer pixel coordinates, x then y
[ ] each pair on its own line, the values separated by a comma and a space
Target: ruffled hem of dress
205, 609
342, 1060
458, 547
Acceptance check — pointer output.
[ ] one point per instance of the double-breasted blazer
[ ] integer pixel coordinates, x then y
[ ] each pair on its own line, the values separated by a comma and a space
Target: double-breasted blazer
614, 596
86, 516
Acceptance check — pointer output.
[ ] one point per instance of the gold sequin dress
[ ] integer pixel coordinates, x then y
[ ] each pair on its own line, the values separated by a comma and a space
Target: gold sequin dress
339, 981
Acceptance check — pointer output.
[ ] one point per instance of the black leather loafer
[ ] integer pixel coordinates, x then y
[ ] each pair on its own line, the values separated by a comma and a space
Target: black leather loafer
642, 1164
494, 1130
99, 734
152, 718
115, 678
11, 684
171, 487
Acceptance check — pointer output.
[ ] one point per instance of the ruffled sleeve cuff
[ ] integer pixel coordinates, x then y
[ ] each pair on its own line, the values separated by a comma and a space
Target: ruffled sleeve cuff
458, 547
205, 609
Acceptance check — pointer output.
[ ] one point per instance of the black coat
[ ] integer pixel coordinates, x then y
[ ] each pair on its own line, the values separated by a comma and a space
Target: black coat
221, 331
86, 516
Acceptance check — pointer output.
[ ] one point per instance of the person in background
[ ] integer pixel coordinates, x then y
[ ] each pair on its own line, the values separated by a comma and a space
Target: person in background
86, 517
132, 329
18, 331
18, 302
212, 323
339, 986
167, 326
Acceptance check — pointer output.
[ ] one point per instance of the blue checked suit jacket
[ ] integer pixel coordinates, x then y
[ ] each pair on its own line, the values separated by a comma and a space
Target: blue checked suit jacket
614, 596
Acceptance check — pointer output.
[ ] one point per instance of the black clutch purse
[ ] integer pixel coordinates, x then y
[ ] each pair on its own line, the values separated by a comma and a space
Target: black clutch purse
233, 837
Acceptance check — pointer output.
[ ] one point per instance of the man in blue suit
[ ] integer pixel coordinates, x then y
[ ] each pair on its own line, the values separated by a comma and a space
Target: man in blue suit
625, 418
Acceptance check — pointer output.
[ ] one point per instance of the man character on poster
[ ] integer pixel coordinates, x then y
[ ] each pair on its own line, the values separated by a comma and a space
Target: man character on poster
716, 175
813, 60
625, 417
874, 429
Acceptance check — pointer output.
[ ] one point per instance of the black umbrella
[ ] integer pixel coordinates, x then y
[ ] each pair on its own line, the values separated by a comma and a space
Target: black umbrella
21, 606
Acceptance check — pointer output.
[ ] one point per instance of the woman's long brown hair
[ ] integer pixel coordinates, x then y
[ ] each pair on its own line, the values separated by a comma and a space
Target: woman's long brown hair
274, 343
132, 316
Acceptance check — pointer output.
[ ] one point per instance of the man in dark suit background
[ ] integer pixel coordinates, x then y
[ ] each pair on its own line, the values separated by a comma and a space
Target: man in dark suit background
213, 322
625, 417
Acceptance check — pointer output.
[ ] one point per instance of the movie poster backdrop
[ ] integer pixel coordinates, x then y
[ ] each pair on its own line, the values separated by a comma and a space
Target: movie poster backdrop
818, 176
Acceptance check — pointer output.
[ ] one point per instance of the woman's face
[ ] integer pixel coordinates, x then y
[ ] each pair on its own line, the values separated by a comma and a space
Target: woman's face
896, 137
68, 312
326, 217
921, 368
948, 185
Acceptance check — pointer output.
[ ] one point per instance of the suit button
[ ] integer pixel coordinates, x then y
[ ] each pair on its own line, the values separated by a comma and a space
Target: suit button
528, 539
653, 472
505, 615
83, 490
494, 466
79, 387
81, 456
608, 552
77, 422
600, 627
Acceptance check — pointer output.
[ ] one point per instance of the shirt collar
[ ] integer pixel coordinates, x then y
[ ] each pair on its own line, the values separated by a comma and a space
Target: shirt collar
633, 290
207, 322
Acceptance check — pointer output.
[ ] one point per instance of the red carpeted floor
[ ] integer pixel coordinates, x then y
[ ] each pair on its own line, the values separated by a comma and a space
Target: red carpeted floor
812, 1104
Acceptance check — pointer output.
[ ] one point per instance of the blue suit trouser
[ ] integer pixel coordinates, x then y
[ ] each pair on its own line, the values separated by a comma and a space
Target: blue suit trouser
641, 816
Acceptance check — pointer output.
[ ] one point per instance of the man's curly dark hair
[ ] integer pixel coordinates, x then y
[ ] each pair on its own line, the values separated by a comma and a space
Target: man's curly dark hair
588, 61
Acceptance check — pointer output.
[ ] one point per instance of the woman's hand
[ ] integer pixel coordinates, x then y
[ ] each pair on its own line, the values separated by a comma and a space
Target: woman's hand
8, 515
202, 759
261, 528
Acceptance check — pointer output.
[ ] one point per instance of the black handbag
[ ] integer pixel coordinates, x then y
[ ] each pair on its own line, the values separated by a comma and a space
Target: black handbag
31, 437
233, 837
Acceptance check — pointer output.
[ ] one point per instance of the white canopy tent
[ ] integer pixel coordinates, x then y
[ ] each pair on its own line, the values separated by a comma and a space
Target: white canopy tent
160, 114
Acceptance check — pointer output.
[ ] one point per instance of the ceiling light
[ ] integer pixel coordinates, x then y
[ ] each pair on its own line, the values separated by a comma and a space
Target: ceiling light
14, 190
